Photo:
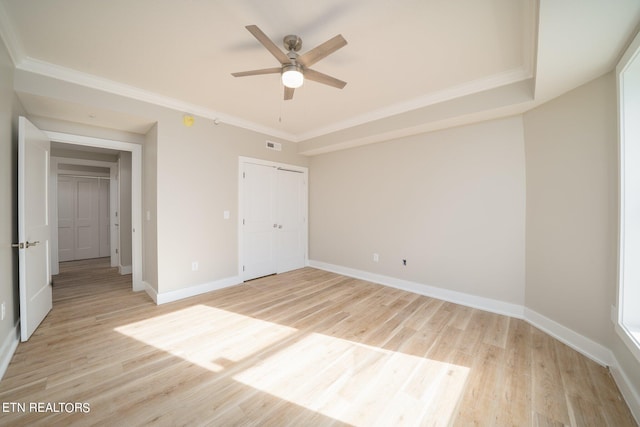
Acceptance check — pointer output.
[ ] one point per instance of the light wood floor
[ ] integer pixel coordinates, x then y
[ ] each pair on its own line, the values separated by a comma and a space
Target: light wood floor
303, 348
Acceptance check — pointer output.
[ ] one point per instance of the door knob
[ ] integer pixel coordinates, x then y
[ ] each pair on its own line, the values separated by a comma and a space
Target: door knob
275, 225
17, 245
280, 226
29, 244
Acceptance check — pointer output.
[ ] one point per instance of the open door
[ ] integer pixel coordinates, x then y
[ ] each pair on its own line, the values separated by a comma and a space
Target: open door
33, 227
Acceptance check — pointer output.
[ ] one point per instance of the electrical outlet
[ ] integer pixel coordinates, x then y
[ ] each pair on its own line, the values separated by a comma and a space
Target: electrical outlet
376, 257
404, 262
194, 266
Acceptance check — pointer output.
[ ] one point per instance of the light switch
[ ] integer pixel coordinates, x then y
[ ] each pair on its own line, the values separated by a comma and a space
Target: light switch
225, 214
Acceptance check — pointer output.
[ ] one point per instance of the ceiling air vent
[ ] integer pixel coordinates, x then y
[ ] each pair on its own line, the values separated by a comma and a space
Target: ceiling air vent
274, 145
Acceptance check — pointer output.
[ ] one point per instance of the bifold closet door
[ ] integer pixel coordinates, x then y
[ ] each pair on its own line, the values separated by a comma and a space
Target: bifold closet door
259, 221
83, 218
274, 223
290, 200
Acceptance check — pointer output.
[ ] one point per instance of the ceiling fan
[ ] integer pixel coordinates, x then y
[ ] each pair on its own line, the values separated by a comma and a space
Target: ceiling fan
293, 67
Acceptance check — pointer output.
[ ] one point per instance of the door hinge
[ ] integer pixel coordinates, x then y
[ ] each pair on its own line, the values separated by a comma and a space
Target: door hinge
243, 268
244, 175
242, 221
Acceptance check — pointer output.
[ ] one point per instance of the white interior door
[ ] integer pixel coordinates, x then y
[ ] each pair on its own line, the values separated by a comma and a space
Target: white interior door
83, 218
104, 217
66, 209
87, 218
274, 219
259, 223
290, 214
33, 227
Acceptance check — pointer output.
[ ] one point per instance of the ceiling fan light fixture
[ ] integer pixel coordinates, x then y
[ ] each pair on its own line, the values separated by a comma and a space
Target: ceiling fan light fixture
292, 76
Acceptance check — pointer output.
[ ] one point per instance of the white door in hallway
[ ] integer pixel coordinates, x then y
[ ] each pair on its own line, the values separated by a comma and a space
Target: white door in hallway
274, 225
83, 217
33, 227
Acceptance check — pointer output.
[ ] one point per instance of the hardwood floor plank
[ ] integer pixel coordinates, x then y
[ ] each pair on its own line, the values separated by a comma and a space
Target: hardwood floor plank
306, 347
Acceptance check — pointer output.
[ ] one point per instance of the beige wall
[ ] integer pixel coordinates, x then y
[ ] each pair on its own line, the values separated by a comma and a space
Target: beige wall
150, 208
451, 202
197, 182
9, 110
572, 216
571, 150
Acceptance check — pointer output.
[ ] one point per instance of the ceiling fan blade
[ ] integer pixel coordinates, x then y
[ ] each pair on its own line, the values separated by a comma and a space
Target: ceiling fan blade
257, 72
321, 51
323, 78
288, 93
266, 42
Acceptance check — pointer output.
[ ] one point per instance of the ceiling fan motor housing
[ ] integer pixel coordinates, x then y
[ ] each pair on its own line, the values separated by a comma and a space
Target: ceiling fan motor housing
292, 43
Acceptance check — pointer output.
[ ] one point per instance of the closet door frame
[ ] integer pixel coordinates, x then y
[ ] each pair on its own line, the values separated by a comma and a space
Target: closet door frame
53, 203
241, 200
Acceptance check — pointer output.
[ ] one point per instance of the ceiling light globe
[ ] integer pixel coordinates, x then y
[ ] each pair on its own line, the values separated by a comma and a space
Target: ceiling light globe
292, 77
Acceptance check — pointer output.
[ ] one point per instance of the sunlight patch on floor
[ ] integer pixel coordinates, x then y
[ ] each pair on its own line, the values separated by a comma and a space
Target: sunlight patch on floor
209, 337
360, 384
347, 381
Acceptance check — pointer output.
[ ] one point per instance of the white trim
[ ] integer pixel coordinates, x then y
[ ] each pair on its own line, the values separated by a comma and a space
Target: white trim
88, 80
53, 202
151, 292
594, 351
37, 66
8, 348
482, 303
628, 273
191, 291
125, 269
136, 191
465, 89
8, 35
630, 394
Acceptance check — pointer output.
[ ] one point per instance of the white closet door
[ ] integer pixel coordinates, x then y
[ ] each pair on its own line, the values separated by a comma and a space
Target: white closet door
103, 217
291, 231
87, 219
274, 220
259, 221
66, 210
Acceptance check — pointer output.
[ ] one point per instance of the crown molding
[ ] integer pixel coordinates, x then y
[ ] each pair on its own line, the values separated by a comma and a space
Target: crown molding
490, 82
36, 66
54, 71
8, 35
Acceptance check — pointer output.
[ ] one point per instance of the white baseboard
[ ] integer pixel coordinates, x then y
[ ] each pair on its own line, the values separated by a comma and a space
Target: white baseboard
630, 394
8, 348
165, 297
125, 269
151, 292
580, 343
482, 303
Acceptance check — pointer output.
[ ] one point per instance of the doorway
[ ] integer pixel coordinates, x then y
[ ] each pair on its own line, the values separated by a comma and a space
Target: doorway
273, 218
133, 195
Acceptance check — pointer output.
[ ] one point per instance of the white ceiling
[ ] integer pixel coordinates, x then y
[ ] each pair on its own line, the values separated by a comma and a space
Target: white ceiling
401, 56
